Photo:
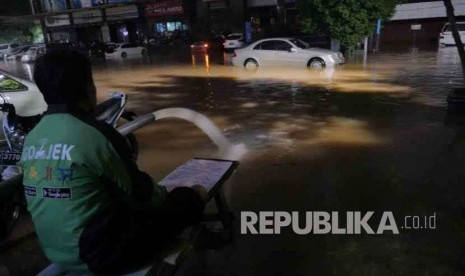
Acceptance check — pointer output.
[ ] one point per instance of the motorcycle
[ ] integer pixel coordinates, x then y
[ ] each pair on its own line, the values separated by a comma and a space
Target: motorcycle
12, 201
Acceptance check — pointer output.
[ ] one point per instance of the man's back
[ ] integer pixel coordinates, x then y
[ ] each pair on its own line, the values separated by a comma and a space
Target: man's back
92, 207
64, 180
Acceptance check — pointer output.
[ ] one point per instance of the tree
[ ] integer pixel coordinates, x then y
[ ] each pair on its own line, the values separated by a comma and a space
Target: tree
455, 32
349, 21
22, 33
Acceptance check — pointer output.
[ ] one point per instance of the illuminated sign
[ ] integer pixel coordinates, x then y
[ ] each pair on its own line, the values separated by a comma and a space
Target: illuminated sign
165, 8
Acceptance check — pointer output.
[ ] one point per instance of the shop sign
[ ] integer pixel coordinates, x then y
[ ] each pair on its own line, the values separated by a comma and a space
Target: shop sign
55, 5
57, 20
262, 3
122, 13
87, 17
164, 8
415, 27
248, 32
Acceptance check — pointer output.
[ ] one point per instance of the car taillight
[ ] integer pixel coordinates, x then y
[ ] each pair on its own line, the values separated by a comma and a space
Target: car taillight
234, 54
205, 45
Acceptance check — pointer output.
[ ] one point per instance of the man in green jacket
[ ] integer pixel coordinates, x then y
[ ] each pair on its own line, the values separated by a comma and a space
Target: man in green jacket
92, 208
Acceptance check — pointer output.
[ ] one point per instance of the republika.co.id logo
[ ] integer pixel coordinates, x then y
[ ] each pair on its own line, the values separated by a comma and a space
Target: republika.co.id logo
347, 223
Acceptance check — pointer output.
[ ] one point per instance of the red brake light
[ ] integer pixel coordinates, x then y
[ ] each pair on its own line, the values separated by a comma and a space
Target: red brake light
192, 46
234, 54
205, 45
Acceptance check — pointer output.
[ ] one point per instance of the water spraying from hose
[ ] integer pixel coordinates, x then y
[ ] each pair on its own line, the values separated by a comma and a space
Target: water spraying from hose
227, 150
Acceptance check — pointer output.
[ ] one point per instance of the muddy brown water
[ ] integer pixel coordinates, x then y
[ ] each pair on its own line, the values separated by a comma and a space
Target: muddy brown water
358, 138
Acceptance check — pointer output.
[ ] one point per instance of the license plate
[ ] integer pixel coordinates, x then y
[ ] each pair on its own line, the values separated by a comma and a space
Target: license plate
9, 158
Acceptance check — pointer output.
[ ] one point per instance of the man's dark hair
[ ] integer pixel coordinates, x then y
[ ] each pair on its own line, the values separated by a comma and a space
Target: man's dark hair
64, 77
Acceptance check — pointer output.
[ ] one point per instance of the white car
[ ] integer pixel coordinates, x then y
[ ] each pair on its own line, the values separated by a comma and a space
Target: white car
7, 48
446, 38
234, 41
285, 52
18, 53
32, 54
124, 50
24, 95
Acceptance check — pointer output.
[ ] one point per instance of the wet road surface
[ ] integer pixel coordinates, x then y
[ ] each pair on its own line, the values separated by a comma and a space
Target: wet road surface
372, 137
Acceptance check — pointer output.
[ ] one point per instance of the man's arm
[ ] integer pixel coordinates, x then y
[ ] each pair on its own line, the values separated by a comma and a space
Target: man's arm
119, 167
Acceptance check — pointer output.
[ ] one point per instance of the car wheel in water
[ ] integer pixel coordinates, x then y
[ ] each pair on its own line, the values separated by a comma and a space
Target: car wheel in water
251, 64
124, 55
316, 64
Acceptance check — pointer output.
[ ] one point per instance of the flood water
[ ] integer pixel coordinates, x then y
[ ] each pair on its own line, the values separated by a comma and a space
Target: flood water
361, 137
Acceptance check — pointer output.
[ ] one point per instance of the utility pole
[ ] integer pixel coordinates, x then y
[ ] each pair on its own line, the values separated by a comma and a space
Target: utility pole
455, 33
365, 50
378, 34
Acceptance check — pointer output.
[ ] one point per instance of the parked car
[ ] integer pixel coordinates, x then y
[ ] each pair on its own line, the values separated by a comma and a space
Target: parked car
446, 38
33, 53
124, 50
24, 95
234, 41
7, 48
285, 52
18, 53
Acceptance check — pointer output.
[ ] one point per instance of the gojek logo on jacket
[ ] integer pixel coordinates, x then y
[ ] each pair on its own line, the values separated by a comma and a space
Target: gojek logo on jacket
47, 152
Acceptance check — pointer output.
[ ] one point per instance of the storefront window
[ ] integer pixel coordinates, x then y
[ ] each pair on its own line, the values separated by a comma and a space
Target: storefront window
171, 26
162, 28
171, 32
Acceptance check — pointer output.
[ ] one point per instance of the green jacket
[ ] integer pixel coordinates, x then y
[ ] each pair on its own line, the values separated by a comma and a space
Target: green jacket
79, 175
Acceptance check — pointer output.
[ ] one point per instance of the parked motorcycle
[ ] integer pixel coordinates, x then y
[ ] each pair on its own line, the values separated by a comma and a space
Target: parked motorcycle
12, 201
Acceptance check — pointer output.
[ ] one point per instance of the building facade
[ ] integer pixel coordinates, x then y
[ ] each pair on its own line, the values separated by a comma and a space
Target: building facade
89, 20
174, 21
418, 24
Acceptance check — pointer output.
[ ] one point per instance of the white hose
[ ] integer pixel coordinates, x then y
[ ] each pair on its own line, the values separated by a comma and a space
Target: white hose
226, 148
